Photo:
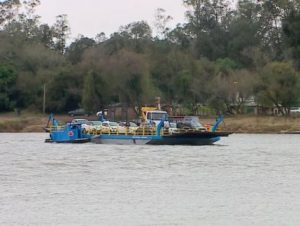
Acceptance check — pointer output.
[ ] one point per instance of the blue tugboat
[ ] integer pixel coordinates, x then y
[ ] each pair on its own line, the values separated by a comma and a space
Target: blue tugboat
69, 133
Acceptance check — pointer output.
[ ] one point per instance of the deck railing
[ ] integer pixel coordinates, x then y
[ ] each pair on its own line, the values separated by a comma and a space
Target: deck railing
141, 131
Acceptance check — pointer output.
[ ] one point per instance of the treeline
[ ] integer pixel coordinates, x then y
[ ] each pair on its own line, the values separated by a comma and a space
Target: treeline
221, 58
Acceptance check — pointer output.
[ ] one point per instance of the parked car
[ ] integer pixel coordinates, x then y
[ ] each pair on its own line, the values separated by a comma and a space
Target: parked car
295, 110
96, 124
132, 127
173, 128
112, 127
78, 112
190, 122
92, 126
80, 121
109, 127
83, 122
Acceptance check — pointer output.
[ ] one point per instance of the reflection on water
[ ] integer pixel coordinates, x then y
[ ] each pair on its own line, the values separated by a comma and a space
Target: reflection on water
244, 180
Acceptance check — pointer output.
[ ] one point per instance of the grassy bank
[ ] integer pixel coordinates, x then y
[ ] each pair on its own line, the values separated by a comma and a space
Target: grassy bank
29, 122
260, 124
26, 122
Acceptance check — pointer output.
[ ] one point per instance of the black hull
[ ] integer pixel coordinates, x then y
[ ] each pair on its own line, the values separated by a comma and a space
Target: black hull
188, 138
46, 129
197, 134
184, 141
76, 141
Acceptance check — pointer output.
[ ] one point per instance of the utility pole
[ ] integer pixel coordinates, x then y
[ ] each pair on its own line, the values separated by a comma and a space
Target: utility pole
157, 100
44, 100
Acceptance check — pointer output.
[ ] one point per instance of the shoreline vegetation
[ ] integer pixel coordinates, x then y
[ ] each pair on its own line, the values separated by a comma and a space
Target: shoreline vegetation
32, 122
224, 57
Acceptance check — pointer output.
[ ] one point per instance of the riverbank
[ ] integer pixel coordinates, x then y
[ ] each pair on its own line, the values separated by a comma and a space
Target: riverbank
261, 124
29, 122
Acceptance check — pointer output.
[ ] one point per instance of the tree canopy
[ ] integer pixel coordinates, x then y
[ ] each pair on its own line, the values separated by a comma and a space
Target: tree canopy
221, 58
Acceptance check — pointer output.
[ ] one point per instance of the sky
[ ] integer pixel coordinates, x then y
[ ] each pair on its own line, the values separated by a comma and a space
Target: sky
91, 17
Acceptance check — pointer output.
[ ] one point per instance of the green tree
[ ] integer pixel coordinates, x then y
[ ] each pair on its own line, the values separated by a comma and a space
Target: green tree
161, 21
35, 65
7, 82
64, 91
25, 24
8, 11
90, 100
136, 35
45, 35
244, 33
207, 22
179, 78
279, 86
137, 30
61, 32
75, 51
291, 29
131, 71
180, 37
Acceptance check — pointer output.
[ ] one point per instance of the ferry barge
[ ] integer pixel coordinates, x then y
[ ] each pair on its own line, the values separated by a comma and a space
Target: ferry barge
159, 134
163, 136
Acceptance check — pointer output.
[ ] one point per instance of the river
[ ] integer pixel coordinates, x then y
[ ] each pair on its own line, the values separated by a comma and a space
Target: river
242, 180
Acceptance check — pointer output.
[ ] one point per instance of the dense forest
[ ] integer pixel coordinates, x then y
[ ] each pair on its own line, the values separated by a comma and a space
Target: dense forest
221, 58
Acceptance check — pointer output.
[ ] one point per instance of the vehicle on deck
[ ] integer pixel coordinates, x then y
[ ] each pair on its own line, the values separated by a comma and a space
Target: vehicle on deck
130, 126
295, 110
153, 116
191, 122
93, 127
78, 112
80, 121
112, 127
173, 128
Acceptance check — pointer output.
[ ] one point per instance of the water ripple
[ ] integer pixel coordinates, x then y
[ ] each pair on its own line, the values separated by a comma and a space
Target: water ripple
243, 180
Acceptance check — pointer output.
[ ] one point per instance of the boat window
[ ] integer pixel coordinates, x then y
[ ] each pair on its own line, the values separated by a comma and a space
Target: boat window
193, 121
196, 124
173, 125
80, 121
132, 124
122, 124
96, 123
157, 115
113, 124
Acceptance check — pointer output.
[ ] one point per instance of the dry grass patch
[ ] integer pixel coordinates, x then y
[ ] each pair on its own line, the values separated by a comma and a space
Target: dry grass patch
29, 122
